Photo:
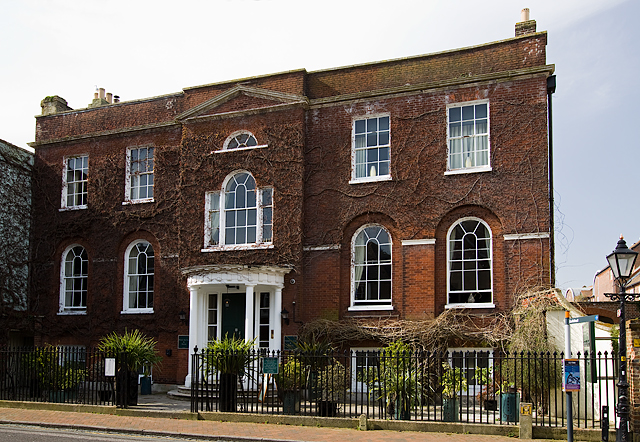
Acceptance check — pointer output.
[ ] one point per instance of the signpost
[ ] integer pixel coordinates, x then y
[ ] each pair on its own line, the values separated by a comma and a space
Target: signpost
569, 380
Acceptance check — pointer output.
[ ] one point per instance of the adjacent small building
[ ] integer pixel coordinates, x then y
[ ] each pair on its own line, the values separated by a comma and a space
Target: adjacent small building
389, 190
15, 228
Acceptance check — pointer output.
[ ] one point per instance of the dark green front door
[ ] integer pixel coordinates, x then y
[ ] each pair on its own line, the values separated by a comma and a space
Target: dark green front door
233, 312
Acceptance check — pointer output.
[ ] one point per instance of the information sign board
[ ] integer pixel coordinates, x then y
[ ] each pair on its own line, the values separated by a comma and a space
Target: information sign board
183, 342
270, 365
571, 375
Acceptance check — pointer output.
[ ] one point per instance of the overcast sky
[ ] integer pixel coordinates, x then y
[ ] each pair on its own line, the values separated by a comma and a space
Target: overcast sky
137, 49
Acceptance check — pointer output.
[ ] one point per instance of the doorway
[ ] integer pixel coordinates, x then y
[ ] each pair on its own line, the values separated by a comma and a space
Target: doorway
233, 315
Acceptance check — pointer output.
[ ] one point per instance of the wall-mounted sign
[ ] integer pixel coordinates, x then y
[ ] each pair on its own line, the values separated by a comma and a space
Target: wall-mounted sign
183, 342
290, 342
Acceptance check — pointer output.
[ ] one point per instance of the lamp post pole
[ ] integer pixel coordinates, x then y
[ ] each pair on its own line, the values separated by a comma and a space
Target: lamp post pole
622, 261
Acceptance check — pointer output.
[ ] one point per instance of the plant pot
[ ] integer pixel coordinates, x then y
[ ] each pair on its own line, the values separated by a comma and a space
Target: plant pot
145, 385
402, 411
450, 409
327, 408
491, 405
509, 407
228, 392
291, 402
62, 396
313, 392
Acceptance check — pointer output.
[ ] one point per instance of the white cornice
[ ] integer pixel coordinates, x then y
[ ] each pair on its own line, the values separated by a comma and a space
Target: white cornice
419, 242
523, 236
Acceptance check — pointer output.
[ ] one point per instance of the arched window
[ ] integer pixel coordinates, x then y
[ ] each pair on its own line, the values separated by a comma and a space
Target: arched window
371, 268
74, 276
240, 140
247, 213
469, 263
139, 273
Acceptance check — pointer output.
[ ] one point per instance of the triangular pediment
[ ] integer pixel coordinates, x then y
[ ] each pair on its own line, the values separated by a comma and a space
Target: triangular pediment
246, 98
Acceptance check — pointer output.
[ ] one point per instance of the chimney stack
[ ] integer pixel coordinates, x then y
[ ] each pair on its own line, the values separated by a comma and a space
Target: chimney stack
53, 105
102, 98
525, 26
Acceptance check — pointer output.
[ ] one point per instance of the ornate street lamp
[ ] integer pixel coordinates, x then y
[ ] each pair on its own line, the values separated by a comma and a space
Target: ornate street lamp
622, 260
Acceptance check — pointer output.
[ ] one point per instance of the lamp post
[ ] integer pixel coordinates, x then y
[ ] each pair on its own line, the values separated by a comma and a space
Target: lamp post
622, 260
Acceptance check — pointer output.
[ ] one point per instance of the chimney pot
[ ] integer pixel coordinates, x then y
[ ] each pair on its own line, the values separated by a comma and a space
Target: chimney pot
101, 90
526, 26
95, 96
116, 98
109, 97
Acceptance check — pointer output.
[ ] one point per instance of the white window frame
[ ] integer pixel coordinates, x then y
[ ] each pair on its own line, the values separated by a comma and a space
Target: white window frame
219, 211
367, 179
225, 146
66, 185
63, 308
126, 294
356, 385
129, 177
472, 389
472, 169
469, 304
381, 305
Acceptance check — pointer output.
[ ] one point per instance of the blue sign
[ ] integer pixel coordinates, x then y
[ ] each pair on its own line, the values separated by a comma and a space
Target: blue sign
571, 375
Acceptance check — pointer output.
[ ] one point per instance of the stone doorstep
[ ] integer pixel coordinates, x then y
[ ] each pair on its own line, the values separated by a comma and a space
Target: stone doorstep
335, 422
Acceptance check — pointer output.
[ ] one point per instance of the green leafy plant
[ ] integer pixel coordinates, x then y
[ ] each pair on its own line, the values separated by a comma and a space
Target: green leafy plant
138, 349
332, 382
53, 371
229, 355
453, 381
291, 376
396, 380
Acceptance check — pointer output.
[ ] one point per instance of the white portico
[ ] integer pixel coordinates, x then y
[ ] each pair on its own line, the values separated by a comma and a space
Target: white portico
244, 301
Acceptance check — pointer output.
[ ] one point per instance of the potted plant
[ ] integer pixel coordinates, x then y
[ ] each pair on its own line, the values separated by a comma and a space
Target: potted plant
58, 377
290, 381
314, 355
137, 350
396, 380
453, 382
229, 356
486, 397
332, 385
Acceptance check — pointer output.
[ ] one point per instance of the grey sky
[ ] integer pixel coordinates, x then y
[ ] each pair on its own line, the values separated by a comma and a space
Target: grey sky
137, 49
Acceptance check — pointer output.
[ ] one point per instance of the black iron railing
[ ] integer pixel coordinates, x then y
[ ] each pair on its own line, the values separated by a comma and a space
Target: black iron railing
64, 374
475, 387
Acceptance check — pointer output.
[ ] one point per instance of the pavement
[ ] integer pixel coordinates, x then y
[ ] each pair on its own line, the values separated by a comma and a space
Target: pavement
170, 418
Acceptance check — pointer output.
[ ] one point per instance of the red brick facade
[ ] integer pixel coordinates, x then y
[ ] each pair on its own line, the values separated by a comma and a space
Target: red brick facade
303, 123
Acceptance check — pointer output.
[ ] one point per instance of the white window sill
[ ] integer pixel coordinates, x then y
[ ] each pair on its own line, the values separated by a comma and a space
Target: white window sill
72, 313
471, 305
66, 209
372, 179
141, 311
146, 200
262, 246
240, 149
368, 308
468, 170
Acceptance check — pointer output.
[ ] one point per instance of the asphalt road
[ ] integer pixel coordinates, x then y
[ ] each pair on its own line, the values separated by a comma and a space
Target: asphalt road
24, 433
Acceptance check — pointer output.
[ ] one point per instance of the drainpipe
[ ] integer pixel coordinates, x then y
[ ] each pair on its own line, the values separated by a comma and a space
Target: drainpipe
551, 89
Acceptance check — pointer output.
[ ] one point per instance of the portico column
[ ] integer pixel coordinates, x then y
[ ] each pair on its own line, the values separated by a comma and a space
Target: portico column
193, 329
249, 313
277, 320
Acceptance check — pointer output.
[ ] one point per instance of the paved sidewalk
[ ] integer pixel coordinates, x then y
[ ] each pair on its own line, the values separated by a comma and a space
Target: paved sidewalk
214, 430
